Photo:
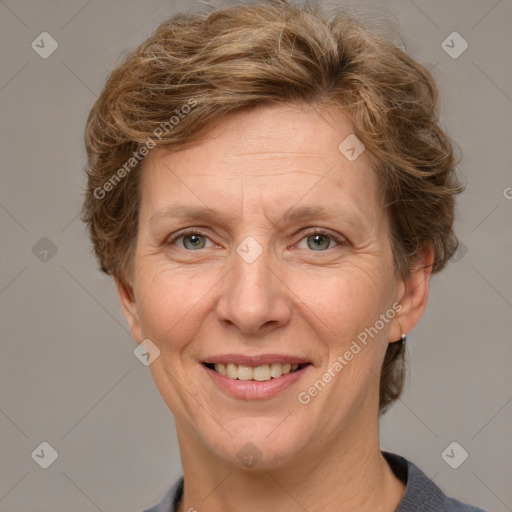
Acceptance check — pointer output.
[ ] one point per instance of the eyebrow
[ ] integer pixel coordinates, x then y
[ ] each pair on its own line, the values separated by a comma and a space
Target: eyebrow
293, 214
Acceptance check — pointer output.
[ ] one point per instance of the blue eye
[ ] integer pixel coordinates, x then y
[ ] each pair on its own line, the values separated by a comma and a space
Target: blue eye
192, 240
195, 241
320, 241
317, 241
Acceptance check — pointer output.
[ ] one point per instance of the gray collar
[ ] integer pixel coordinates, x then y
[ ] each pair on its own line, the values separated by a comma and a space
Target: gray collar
421, 493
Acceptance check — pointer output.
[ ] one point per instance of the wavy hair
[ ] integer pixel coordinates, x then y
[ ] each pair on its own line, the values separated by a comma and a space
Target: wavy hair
196, 68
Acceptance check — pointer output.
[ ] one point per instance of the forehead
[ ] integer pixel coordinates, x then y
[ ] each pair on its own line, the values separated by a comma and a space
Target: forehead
270, 156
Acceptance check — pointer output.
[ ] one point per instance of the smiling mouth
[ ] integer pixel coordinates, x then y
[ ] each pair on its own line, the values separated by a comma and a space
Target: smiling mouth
260, 373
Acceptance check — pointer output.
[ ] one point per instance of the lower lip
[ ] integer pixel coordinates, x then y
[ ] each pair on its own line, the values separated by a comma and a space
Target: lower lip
253, 389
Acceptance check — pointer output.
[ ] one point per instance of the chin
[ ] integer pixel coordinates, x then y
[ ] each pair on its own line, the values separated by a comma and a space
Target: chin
259, 443
257, 452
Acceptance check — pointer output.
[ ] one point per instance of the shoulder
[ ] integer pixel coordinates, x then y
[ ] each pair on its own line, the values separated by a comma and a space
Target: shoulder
170, 499
453, 505
421, 493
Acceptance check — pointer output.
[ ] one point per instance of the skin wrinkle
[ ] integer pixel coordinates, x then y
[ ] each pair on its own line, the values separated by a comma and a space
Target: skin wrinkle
307, 304
194, 304
337, 215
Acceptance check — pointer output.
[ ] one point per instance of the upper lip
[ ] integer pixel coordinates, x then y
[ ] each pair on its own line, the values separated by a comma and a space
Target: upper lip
241, 359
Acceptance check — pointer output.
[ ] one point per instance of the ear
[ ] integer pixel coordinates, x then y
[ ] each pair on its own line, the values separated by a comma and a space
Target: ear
129, 307
412, 296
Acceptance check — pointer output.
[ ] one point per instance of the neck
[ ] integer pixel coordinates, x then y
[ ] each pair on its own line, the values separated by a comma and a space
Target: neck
352, 475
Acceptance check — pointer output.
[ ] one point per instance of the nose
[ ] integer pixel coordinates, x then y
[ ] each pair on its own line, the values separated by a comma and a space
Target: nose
254, 296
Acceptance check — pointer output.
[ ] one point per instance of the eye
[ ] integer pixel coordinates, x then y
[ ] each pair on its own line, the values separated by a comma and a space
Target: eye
319, 240
192, 240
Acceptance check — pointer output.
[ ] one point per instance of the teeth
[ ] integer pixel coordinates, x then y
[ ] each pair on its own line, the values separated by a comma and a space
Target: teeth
232, 371
276, 370
262, 373
245, 372
258, 373
221, 368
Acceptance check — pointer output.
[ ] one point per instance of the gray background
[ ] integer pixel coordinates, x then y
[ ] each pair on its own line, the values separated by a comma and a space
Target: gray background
68, 375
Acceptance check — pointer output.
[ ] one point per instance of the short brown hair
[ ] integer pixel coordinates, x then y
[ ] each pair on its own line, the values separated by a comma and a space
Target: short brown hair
196, 68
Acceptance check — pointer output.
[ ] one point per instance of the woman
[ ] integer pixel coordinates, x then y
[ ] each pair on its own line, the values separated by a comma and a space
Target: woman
271, 192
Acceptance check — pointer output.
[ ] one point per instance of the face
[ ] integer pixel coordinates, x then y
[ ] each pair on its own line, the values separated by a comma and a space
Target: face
264, 275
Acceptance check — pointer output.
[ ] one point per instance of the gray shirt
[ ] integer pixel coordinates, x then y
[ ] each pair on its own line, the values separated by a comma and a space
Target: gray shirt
421, 494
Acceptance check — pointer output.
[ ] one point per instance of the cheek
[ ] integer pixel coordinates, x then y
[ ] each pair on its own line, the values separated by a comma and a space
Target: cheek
170, 305
348, 300
349, 303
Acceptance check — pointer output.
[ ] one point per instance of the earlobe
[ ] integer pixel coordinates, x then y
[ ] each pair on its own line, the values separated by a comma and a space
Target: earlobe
129, 307
414, 291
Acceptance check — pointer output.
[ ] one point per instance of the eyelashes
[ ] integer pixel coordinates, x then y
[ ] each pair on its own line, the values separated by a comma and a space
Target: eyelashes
338, 239
194, 234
